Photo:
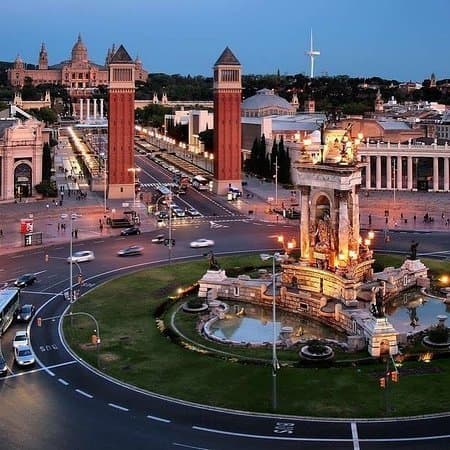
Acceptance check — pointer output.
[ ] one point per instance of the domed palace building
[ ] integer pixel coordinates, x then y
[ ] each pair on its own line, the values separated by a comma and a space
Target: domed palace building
80, 76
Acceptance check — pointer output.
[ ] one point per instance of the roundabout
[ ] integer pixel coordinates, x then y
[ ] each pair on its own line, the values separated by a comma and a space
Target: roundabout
89, 409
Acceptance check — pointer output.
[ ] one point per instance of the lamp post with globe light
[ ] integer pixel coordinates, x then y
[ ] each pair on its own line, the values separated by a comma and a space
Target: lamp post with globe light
275, 364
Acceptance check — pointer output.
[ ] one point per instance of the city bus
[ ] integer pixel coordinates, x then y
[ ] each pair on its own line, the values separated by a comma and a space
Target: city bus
200, 183
9, 304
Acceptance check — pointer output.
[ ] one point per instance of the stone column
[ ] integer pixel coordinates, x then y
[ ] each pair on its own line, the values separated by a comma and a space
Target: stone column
435, 174
355, 214
305, 192
446, 175
95, 109
410, 173
88, 109
399, 173
343, 231
388, 172
101, 108
368, 173
81, 110
378, 173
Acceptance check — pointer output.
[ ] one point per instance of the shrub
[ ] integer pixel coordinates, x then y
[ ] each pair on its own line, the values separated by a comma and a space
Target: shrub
195, 303
47, 188
316, 347
438, 334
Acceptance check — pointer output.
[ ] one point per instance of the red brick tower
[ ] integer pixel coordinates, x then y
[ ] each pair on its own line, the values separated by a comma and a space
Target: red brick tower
227, 123
121, 125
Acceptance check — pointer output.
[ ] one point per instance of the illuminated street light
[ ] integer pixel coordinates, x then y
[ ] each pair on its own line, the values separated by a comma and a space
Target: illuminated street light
275, 364
134, 170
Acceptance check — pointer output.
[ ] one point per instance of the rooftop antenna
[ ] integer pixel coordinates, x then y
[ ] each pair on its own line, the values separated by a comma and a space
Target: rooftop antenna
312, 53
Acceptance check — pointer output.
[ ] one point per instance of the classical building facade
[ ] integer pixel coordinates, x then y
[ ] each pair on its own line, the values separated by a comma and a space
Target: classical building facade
80, 76
21, 146
227, 122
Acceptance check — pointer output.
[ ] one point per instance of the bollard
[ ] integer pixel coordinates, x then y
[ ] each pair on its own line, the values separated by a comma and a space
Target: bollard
39, 322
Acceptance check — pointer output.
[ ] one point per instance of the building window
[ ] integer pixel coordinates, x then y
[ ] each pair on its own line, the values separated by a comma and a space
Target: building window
236, 291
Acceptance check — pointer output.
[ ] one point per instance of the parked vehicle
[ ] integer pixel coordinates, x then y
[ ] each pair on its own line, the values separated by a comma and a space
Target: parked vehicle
3, 366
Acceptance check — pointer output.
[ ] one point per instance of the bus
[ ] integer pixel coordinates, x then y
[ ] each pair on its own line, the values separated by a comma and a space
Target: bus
200, 183
9, 304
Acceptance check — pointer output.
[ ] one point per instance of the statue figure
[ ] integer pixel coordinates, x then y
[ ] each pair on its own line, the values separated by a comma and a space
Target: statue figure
213, 263
414, 246
323, 234
377, 308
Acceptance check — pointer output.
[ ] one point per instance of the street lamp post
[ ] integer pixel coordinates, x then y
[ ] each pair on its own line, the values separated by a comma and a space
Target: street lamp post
275, 365
97, 329
134, 170
276, 180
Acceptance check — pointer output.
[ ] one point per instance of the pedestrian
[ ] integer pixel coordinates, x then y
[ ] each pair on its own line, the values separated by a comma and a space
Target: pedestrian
76, 233
414, 219
59, 226
370, 219
1, 232
99, 221
101, 227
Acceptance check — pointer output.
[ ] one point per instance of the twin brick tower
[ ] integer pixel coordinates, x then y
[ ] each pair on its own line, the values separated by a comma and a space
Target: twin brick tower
227, 124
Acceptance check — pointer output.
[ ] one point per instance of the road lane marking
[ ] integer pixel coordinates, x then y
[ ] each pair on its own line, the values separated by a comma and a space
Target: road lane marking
159, 419
189, 446
47, 369
64, 382
113, 405
84, 393
355, 436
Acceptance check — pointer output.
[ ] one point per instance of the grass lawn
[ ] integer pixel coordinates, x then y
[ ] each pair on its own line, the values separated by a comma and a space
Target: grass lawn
134, 350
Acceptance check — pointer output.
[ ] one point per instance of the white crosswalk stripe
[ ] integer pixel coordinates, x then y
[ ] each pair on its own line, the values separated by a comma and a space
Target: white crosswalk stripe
157, 185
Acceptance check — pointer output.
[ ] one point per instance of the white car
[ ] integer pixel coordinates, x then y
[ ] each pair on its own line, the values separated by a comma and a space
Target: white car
24, 355
85, 255
201, 243
21, 338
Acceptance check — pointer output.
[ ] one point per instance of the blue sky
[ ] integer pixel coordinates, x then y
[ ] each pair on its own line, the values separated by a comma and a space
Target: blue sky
394, 39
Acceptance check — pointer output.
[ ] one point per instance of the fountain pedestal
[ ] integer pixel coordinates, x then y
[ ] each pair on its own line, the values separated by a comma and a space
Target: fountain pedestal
382, 337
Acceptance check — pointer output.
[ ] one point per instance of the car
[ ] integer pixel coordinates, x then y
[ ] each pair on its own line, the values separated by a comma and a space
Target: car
158, 239
25, 280
3, 366
82, 256
25, 313
178, 212
21, 338
198, 243
192, 212
130, 231
131, 251
24, 355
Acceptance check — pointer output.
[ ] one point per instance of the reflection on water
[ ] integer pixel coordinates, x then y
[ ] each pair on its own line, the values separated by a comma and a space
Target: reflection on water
413, 312
253, 323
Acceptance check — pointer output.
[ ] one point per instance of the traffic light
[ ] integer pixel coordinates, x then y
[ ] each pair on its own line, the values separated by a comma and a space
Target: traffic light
382, 382
46, 257
394, 377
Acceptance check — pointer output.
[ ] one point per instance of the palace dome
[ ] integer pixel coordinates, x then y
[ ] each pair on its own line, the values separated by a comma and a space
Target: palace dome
79, 51
266, 103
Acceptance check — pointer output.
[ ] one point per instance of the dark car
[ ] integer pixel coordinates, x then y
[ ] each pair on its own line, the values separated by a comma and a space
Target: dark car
25, 280
25, 313
130, 231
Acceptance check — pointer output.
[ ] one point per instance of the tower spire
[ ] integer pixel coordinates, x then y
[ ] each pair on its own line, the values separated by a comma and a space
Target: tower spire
312, 53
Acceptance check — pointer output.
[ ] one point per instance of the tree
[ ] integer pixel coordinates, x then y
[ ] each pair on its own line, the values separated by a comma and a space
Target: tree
46, 163
207, 138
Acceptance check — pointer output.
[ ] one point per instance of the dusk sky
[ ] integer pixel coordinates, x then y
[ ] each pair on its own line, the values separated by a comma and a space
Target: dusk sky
394, 39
